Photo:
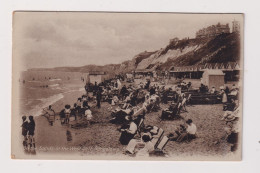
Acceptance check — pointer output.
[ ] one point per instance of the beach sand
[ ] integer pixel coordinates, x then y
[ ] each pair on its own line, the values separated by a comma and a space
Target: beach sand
102, 138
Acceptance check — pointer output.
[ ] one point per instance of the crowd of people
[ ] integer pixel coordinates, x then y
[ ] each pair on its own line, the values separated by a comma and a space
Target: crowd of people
131, 104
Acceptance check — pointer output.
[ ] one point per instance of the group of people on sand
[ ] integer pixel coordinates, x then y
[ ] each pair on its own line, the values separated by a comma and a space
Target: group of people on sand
28, 128
232, 112
80, 110
231, 115
141, 140
132, 104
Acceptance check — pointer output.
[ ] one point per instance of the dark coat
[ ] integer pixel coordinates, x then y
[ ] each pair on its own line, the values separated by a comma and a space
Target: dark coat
31, 128
25, 128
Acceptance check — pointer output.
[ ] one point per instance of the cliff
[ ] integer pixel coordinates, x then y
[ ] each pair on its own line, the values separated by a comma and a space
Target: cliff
220, 49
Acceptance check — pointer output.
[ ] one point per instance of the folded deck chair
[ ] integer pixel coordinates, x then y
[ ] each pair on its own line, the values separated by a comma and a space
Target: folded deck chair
156, 140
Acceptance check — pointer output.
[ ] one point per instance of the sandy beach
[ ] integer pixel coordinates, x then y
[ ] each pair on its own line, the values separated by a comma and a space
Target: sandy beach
101, 138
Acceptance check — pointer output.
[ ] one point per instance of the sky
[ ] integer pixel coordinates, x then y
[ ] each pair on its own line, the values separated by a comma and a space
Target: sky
58, 39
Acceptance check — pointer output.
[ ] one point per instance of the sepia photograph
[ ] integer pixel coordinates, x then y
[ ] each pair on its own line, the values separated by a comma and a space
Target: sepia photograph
127, 86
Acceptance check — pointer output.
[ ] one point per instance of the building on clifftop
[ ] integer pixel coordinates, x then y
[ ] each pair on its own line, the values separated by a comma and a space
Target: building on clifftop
213, 30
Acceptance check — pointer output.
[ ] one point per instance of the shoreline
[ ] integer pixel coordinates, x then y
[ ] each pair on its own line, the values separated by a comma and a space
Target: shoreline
46, 135
100, 140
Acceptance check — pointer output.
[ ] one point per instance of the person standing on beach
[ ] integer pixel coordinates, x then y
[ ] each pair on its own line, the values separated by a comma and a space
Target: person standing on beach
62, 116
51, 114
67, 112
95, 89
31, 128
79, 108
99, 96
25, 132
74, 111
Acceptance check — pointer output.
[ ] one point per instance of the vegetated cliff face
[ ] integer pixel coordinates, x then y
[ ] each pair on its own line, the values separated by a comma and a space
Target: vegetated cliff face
220, 49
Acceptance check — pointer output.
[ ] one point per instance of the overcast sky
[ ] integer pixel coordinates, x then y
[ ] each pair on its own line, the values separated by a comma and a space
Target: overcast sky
52, 39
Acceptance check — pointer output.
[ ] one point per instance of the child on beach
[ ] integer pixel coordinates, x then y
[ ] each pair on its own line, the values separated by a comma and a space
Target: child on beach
31, 128
74, 111
67, 112
62, 116
79, 108
24, 132
88, 115
50, 113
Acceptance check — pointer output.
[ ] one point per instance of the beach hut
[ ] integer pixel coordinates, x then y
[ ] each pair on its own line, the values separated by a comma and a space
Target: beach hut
212, 78
97, 76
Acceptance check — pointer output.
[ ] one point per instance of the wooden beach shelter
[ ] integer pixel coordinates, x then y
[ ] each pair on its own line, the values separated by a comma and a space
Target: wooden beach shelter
97, 76
213, 78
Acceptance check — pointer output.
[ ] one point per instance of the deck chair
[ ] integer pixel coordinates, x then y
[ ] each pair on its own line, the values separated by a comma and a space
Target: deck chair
162, 143
158, 151
188, 98
140, 111
183, 104
179, 108
156, 140
139, 127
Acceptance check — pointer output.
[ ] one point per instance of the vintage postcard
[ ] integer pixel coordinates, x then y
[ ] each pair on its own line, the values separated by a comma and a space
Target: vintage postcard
127, 86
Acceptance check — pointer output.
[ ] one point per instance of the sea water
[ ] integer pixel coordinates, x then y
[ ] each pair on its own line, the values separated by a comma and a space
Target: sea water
35, 95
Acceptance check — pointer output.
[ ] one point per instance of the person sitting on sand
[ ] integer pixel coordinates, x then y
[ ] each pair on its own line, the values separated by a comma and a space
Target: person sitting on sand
152, 90
88, 115
84, 101
134, 144
126, 105
128, 98
190, 133
234, 92
148, 147
213, 90
203, 88
177, 133
128, 131
115, 100
31, 128
171, 112
25, 132
231, 109
123, 92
